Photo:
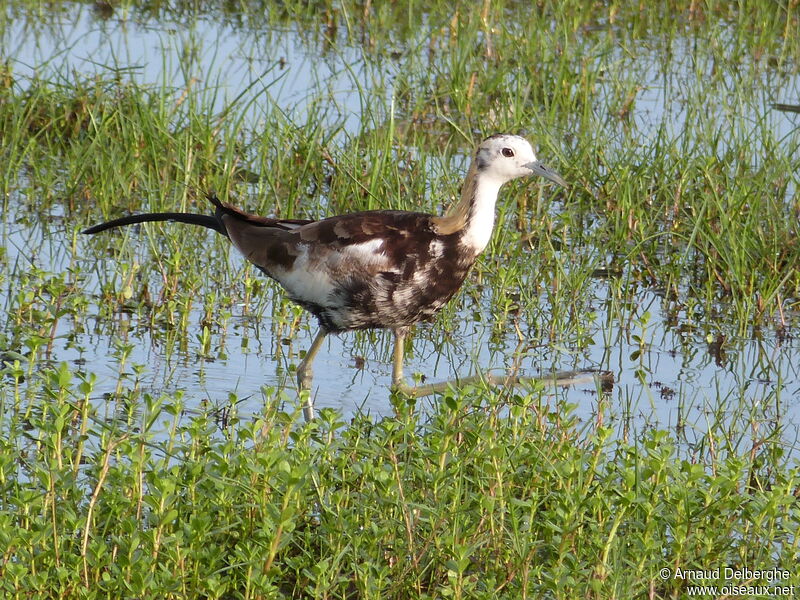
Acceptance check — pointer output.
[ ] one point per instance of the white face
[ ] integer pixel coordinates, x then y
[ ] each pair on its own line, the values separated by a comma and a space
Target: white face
504, 157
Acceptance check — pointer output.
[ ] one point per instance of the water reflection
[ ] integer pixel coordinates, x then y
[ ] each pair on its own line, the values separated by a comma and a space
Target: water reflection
669, 372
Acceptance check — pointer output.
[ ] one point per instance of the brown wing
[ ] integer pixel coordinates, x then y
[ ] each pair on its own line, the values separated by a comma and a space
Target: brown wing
361, 270
383, 239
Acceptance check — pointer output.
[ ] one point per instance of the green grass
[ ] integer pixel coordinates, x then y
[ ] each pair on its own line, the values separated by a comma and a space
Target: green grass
481, 501
680, 234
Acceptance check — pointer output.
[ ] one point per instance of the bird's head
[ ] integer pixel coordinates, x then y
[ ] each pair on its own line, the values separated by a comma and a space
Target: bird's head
504, 157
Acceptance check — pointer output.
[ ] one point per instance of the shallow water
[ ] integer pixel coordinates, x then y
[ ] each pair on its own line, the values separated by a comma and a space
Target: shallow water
682, 381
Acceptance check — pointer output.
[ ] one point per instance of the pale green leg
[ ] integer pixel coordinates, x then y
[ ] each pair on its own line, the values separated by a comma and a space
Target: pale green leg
511, 379
305, 374
398, 382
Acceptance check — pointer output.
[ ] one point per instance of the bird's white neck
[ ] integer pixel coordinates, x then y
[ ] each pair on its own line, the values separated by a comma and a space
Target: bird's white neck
480, 218
473, 216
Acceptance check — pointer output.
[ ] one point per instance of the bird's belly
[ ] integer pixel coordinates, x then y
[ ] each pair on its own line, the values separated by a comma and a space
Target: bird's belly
390, 304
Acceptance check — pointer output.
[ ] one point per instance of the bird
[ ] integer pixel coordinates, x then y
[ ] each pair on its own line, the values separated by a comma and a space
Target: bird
375, 269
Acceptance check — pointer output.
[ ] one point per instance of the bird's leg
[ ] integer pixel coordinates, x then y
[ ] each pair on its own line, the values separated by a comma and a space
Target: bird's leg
510, 379
305, 374
398, 382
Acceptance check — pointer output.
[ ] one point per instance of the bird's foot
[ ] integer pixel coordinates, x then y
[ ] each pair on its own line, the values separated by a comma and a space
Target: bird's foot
401, 388
510, 379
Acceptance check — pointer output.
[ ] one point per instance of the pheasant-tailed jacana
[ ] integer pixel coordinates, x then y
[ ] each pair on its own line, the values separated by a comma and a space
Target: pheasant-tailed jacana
373, 269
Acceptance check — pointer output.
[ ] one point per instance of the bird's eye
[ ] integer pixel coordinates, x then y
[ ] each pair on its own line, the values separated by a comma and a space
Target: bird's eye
507, 152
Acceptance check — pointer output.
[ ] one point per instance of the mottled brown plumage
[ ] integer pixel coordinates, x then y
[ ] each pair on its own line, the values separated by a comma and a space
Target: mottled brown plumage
373, 269
405, 278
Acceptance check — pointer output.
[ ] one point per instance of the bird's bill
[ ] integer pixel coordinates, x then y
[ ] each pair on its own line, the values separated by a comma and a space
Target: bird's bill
537, 168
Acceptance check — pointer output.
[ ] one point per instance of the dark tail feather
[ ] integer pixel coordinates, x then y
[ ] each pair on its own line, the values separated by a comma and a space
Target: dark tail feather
190, 218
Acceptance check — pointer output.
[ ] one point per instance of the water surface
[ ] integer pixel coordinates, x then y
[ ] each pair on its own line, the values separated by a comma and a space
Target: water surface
683, 378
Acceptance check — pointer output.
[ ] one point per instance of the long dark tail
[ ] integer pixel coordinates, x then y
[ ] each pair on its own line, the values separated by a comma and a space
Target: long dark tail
215, 221
190, 218
211, 222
